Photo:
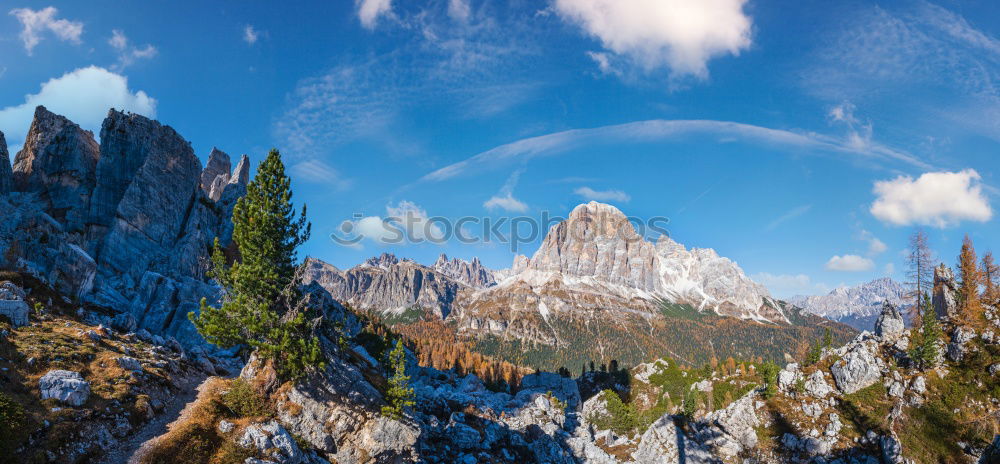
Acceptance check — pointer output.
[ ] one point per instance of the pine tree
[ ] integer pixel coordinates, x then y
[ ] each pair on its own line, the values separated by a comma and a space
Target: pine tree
827, 338
970, 309
260, 287
815, 354
991, 280
400, 394
769, 371
921, 269
924, 348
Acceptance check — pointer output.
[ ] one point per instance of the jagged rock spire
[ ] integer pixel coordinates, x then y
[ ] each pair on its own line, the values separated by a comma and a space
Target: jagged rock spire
217, 168
6, 174
58, 161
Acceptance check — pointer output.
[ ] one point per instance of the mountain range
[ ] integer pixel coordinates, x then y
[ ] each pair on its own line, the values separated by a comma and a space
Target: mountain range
594, 290
857, 306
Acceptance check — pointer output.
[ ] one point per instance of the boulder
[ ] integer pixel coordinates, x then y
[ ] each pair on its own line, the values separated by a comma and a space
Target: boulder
889, 325
817, 386
271, 439
129, 363
737, 423
66, 386
12, 304
860, 365
663, 443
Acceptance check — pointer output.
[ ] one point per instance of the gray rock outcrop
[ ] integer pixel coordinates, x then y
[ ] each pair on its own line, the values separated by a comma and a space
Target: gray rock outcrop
6, 174
860, 365
58, 163
217, 168
272, 440
945, 289
469, 273
12, 304
889, 325
125, 225
66, 386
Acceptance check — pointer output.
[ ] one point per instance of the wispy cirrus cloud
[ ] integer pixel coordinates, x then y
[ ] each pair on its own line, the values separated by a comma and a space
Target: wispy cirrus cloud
504, 199
788, 216
453, 54
588, 193
892, 53
659, 129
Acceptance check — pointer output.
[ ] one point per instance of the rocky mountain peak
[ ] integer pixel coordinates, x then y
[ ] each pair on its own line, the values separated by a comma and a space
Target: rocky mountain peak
6, 174
471, 274
858, 306
216, 172
598, 241
384, 260
58, 162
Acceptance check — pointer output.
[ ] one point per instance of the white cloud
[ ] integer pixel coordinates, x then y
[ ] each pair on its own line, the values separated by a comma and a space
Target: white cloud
791, 214
659, 129
84, 96
504, 199
890, 269
875, 246
937, 199
459, 10
849, 263
250, 34
318, 172
34, 23
127, 54
787, 285
403, 224
679, 34
370, 10
602, 195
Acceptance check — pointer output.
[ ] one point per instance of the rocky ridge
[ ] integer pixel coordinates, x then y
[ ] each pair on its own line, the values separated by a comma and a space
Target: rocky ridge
124, 224
857, 306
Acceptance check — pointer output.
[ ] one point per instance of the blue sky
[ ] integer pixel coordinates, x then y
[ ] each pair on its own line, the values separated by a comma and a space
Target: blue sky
805, 140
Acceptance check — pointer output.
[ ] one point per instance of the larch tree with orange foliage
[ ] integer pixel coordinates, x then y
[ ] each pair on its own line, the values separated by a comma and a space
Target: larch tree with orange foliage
970, 308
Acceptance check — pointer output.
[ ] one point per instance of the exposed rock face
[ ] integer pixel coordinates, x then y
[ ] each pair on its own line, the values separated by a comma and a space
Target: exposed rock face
125, 225
597, 241
860, 365
6, 174
65, 386
387, 285
889, 325
858, 306
273, 440
58, 163
945, 289
12, 304
218, 167
471, 274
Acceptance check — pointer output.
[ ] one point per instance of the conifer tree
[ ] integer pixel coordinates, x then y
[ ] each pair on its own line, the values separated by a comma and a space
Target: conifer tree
924, 348
260, 287
400, 394
991, 280
970, 309
769, 371
827, 338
